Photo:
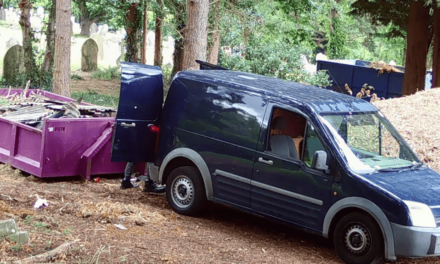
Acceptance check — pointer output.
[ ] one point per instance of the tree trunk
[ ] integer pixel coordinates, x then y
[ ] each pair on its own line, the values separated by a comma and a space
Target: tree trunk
132, 26
61, 82
417, 48
25, 23
158, 40
213, 50
177, 56
85, 26
50, 38
144, 34
436, 53
196, 34
86, 22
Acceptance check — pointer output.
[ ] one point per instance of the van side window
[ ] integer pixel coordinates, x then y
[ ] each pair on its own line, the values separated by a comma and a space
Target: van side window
286, 133
311, 145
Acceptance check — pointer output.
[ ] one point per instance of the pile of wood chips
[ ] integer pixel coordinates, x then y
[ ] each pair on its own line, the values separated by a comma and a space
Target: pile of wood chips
417, 119
32, 109
116, 211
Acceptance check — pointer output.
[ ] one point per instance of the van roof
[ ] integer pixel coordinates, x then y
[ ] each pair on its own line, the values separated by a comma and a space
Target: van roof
321, 100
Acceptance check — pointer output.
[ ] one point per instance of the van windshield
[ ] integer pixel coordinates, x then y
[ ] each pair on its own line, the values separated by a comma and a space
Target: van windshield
370, 143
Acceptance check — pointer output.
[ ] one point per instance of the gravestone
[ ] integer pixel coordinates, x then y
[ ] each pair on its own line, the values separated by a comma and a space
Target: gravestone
151, 38
3, 14
11, 42
40, 12
100, 42
13, 63
122, 56
89, 56
93, 29
104, 30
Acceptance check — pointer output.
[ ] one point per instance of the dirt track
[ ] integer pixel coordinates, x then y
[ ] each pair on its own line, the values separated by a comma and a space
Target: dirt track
87, 211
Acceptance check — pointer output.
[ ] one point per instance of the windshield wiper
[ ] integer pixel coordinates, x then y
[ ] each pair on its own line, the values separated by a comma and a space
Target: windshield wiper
406, 168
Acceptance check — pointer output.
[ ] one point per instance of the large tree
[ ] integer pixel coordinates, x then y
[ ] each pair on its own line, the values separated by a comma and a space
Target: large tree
158, 58
25, 23
50, 38
215, 35
144, 33
61, 82
411, 19
196, 33
436, 49
90, 12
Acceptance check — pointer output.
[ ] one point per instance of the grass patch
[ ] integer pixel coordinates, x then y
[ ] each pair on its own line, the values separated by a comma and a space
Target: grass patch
107, 74
4, 24
28, 220
97, 99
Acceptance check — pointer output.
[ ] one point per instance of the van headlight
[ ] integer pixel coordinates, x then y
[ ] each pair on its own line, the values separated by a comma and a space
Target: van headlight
420, 214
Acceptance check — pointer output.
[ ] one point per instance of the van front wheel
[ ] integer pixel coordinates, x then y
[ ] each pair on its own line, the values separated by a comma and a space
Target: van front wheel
185, 191
358, 239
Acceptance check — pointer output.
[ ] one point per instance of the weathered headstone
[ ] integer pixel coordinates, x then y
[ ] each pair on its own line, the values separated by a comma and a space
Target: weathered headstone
13, 63
151, 37
89, 56
104, 30
3, 14
76, 28
11, 42
93, 29
122, 56
40, 12
100, 42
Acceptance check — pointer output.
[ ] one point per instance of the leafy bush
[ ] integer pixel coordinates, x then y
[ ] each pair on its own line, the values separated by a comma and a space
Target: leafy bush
275, 59
108, 74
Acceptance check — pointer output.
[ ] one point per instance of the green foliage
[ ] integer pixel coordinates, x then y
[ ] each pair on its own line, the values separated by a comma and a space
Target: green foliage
107, 74
336, 46
96, 99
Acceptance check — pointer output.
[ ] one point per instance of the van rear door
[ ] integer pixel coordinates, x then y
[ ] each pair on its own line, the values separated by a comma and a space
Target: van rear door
140, 106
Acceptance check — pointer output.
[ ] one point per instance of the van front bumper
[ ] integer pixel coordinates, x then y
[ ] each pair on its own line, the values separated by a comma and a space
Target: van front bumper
416, 242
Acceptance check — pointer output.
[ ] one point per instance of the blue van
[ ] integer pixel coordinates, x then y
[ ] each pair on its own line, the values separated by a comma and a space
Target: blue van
318, 160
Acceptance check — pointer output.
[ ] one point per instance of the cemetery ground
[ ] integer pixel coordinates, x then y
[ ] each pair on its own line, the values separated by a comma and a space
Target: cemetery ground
86, 212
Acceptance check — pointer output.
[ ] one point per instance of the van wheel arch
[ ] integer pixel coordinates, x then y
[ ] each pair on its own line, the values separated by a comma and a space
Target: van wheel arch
343, 213
174, 164
358, 204
182, 157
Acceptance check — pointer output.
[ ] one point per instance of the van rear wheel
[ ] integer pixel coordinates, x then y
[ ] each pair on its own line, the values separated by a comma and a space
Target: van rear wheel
185, 191
358, 239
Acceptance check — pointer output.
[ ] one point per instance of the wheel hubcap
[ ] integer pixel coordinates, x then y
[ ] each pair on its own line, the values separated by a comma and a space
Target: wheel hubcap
357, 239
182, 191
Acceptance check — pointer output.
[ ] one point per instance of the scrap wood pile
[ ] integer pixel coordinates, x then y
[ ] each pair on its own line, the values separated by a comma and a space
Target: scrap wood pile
33, 108
383, 67
417, 120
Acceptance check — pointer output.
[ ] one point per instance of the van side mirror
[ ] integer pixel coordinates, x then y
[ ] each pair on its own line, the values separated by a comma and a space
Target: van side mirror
320, 161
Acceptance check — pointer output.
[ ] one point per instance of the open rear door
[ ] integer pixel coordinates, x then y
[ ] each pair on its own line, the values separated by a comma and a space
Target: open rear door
140, 105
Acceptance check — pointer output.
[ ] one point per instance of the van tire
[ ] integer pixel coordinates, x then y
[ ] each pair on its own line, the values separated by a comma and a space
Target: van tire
358, 239
185, 191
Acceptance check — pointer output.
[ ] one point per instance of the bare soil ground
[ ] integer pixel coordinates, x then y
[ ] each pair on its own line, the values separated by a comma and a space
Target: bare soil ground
87, 211
89, 84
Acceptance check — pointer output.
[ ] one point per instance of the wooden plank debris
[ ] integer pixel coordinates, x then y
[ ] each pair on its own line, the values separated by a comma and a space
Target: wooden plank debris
33, 108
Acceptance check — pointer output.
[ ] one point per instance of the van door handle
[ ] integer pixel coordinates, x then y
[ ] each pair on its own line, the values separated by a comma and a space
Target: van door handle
265, 161
123, 124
